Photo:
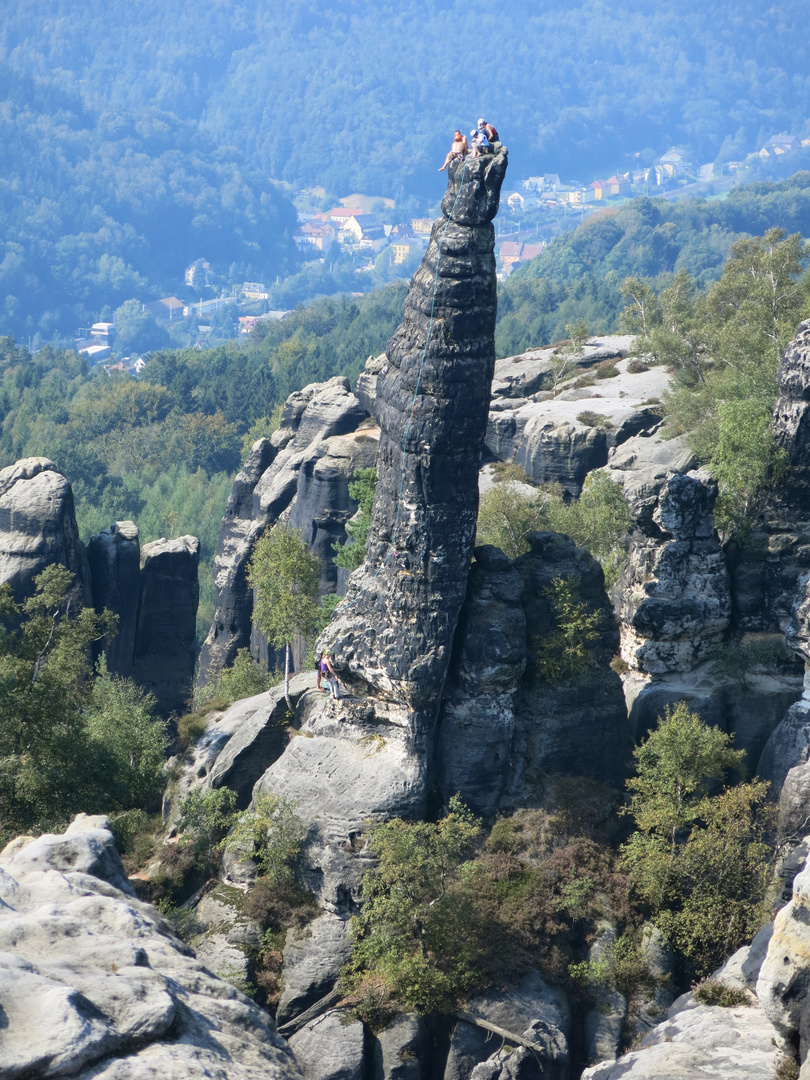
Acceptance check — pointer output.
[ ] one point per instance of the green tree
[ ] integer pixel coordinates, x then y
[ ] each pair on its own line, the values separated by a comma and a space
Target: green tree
508, 513
412, 944
137, 330
698, 860
271, 834
284, 574
67, 742
565, 653
642, 310
598, 520
205, 818
351, 554
126, 735
726, 347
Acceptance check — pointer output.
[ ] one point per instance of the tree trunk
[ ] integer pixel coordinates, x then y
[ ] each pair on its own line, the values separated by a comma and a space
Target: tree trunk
287, 676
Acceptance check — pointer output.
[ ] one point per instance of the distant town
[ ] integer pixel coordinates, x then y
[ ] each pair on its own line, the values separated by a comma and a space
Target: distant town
532, 211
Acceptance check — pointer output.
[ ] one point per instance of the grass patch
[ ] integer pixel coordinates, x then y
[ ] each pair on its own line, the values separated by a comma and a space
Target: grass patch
594, 419
716, 992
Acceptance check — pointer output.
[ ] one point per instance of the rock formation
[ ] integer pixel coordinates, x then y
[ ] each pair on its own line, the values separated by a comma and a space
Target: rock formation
94, 984
165, 633
368, 758
303, 471
114, 556
394, 632
38, 528
559, 436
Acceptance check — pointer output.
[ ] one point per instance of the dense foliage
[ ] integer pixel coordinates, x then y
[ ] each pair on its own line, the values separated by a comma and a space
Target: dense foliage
510, 511
69, 741
725, 346
365, 98
98, 206
699, 857
579, 275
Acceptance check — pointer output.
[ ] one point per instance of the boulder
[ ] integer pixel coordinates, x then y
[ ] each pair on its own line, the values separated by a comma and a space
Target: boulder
93, 982
313, 958
259, 726
114, 557
532, 1009
398, 1051
675, 596
700, 1041
330, 1048
785, 763
166, 630
38, 528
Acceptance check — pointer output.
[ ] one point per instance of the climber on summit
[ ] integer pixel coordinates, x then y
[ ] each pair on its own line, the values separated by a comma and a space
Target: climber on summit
457, 150
480, 142
488, 129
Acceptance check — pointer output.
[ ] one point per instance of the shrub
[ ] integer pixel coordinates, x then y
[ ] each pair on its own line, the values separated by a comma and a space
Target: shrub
716, 992
565, 654
271, 835
244, 678
594, 419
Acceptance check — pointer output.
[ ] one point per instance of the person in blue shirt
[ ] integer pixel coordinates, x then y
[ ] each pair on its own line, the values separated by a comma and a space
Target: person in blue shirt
479, 141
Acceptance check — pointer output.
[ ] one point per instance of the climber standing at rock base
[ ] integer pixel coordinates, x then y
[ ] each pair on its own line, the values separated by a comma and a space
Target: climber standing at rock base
327, 672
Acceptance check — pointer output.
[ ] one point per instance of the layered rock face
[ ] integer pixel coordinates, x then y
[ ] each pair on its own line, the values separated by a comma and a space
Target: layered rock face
93, 982
303, 473
114, 556
165, 633
38, 527
559, 436
394, 632
676, 601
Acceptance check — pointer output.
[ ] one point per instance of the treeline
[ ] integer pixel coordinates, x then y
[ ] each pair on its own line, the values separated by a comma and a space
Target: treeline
162, 450
365, 98
580, 273
98, 205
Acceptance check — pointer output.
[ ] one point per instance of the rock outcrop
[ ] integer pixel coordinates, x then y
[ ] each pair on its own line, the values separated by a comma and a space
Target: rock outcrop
114, 556
303, 473
94, 984
394, 632
367, 757
166, 628
560, 436
38, 528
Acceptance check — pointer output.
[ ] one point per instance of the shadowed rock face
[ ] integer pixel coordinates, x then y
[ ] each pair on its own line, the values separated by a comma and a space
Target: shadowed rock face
165, 636
114, 556
395, 631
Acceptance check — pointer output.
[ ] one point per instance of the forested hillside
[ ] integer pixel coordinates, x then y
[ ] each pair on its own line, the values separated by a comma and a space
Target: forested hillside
580, 273
98, 206
162, 450
363, 97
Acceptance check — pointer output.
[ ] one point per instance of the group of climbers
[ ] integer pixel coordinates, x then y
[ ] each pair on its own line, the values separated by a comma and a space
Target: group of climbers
482, 138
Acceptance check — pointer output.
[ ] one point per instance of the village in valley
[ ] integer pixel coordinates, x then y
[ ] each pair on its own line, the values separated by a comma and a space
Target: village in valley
359, 227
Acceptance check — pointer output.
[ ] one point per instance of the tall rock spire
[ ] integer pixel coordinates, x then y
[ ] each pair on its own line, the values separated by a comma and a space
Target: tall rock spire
393, 633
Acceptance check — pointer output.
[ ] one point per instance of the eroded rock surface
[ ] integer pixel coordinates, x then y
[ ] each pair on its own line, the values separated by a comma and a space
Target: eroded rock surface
93, 983
38, 528
303, 471
166, 630
114, 556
